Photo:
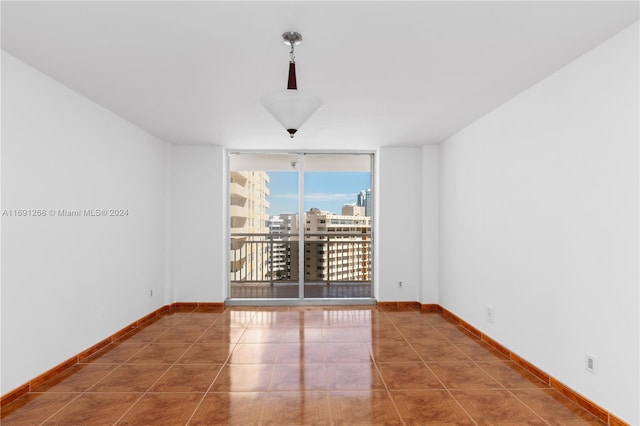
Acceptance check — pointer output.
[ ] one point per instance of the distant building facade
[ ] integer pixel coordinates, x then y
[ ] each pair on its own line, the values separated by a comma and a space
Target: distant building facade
248, 205
337, 247
353, 210
277, 268
364, 200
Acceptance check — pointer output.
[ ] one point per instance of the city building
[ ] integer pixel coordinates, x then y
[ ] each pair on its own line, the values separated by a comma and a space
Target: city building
364, 200
249, 255
337, 247
277, 249
290, 230
353, 210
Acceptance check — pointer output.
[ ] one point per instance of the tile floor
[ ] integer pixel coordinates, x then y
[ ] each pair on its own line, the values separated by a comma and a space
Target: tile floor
281, 366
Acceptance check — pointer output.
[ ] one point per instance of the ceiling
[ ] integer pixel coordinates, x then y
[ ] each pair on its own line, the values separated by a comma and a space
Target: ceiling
390, 73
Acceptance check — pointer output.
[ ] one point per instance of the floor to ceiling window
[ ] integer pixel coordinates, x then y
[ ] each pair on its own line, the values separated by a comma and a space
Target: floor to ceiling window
276, 201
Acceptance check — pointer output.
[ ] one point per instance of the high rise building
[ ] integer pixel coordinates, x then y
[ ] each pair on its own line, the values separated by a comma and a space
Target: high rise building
337, 247
364, 200
248, 211
277, 248
290, 230
360, 202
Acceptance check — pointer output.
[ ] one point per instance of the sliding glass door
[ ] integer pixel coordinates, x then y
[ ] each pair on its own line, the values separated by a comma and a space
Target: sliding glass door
278, 200
263, 226
337, 238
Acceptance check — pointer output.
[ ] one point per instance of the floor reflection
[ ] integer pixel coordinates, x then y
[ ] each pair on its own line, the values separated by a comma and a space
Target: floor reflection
296, 365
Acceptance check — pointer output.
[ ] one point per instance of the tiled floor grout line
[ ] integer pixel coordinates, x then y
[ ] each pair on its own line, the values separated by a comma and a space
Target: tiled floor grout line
273, 369
490, 375
447, 389
326, 391
476, 363
80, 394
526, 405
375, 363
61, 408
577, 405
168, 368
226, 361
130, 407
159, 378
436, 376
509, 392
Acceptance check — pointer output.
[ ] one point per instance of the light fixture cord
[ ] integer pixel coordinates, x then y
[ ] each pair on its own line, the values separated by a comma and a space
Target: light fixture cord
292, 54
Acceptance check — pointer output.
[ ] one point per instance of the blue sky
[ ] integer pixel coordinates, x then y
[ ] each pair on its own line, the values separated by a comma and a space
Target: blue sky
325, 190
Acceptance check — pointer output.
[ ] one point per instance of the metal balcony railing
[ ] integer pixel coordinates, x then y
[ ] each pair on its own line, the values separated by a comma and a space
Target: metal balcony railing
273, 258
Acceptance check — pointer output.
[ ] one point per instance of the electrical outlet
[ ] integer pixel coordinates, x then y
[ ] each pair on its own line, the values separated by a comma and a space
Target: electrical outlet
151, 293
399, 283
590, 363
491, 314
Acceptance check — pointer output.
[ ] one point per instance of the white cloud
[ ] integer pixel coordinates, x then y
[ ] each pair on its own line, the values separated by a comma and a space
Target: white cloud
317, 197
285, 196
329, 197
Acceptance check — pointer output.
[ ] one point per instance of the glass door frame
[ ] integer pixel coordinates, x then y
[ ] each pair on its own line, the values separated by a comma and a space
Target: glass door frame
301, 300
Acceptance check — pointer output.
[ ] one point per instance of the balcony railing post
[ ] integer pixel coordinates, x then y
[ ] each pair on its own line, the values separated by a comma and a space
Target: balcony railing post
271, 270
329, 269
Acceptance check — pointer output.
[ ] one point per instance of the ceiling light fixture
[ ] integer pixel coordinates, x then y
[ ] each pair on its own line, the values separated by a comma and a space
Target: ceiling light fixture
290, 107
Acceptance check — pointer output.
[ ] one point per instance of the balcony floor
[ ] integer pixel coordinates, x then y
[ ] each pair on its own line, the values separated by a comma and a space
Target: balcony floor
281, 290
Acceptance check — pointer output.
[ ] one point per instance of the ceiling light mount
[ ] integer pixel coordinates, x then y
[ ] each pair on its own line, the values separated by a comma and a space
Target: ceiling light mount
291, 108
292, 38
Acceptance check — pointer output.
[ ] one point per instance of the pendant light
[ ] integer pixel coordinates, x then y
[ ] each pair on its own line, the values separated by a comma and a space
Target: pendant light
291, 107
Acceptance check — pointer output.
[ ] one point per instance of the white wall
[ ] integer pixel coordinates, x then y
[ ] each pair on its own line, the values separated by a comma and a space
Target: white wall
398, 240
430, 223
68, 282
539, 218
198, 224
